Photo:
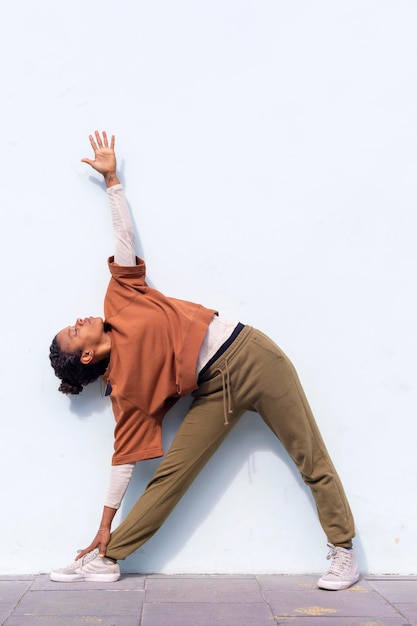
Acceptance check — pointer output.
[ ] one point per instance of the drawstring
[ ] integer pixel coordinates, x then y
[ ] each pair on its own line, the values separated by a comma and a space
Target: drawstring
227, 398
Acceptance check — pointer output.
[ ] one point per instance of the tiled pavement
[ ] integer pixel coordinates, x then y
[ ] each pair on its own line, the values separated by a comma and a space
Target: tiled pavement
190, 600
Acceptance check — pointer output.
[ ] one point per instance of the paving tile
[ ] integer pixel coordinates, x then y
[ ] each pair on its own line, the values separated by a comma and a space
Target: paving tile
408, 610
5, 611
396, 590
207, 614
304, 583
187, 600
17, 578
402, 593
335, 621
358, 601
203, 589
81, 603
283, 581
11, 590
84, 620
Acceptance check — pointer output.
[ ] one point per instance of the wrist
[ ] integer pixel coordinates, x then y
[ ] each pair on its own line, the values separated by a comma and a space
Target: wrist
110, 178
106, 519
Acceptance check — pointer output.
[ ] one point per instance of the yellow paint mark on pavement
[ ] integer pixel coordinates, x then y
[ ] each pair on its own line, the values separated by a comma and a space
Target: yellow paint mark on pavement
315, 610
358, 589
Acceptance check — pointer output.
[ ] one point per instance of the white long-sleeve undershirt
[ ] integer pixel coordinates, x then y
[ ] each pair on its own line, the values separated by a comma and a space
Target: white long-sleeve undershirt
124, 234
219, 330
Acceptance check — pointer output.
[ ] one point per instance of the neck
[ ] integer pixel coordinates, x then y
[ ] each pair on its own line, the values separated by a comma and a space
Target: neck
103, 350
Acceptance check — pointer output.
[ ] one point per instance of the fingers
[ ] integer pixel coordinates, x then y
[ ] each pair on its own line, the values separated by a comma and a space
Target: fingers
89, 549
98, 138
92, 142
101, 550
105, 140
104, 156
98, 142
100, 541
83, 552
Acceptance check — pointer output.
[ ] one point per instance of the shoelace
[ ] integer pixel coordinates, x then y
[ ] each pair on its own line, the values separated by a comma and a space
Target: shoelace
341, 560
90, 556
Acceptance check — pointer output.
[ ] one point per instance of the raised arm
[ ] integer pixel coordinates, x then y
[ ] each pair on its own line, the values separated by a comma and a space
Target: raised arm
105, 163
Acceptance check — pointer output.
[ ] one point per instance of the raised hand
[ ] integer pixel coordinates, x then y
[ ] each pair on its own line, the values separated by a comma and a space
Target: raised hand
104, 157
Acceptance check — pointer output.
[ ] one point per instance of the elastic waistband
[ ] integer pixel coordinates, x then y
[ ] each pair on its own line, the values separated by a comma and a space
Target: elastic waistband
223, 348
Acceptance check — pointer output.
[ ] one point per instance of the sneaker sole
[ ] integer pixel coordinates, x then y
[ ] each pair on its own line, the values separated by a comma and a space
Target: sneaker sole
337, 586
79, 578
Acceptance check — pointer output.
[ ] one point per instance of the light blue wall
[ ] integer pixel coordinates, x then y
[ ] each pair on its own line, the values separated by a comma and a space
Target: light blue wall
269, 155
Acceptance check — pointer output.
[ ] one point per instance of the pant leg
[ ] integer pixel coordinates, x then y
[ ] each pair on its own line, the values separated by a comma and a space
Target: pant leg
264, 380
259, 378
199, 436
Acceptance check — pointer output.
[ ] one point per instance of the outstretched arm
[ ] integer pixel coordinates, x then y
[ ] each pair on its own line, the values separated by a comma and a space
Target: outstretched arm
105, 163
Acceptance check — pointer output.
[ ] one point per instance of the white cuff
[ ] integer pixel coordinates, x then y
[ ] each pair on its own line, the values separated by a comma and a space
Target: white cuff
120, 476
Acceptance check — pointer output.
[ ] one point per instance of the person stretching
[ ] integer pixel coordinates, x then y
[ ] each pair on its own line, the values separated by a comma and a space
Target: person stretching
150, 350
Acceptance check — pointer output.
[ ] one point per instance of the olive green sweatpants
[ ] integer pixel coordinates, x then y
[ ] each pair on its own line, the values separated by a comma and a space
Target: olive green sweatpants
252, 375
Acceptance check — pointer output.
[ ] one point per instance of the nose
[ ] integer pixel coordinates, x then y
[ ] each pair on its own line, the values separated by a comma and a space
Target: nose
79, 321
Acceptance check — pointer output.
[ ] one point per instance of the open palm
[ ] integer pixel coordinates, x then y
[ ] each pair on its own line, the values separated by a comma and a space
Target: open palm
104, 155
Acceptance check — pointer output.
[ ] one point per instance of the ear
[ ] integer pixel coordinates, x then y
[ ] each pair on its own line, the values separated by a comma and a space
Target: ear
87, 356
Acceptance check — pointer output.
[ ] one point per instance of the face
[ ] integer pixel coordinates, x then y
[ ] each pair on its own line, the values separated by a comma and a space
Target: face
87, 333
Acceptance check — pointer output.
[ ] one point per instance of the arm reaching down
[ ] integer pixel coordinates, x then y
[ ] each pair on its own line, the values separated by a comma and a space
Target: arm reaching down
120, 476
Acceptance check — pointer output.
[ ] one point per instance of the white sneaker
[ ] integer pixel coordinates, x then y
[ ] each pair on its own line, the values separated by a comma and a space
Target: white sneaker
89, 567
343, 571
